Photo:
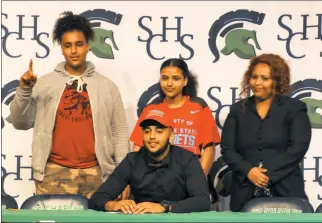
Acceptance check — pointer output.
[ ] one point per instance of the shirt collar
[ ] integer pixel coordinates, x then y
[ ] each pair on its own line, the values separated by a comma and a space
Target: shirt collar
157, 164
277, 101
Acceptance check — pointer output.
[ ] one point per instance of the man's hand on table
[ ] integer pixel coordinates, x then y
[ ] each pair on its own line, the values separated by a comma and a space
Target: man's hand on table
149, 207
130, 207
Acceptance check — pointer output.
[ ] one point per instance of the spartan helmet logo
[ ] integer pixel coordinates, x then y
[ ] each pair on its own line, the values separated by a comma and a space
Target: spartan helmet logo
151, 95
98, 46
310, 92
8, 92
236, 37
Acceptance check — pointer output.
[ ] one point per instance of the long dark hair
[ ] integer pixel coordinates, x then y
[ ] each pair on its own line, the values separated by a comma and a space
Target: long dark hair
191, 88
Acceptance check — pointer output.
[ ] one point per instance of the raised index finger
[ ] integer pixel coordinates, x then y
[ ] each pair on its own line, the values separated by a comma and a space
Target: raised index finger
30, 66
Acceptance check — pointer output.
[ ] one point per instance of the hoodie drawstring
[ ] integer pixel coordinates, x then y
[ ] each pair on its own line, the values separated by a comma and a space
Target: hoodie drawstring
80, 81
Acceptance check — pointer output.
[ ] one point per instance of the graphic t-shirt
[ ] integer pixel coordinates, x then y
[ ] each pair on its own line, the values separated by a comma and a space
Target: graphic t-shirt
193, 125
73, 135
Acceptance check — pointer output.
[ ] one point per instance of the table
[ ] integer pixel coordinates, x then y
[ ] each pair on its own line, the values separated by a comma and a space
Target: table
95, 216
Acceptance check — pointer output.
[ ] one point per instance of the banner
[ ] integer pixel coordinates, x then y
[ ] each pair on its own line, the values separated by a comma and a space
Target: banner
216, 38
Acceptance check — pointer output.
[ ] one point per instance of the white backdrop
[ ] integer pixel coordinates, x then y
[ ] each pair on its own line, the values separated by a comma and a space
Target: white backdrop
134, 71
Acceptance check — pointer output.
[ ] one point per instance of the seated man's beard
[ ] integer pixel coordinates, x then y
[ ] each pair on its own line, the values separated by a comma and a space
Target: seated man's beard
160, 151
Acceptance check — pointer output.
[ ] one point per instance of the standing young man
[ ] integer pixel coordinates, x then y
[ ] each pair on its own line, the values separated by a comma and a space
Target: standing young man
80, 130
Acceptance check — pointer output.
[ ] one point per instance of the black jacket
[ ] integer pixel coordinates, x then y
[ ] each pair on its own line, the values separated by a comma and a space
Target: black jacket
178, 178
280, 141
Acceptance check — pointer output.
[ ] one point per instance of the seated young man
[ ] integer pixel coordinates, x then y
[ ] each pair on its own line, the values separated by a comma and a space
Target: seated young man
163, 178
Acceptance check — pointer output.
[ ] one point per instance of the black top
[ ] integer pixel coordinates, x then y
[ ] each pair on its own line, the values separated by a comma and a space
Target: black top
178, 178
280, 141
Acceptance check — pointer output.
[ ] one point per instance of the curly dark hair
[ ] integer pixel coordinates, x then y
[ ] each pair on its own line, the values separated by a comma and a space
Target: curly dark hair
71, 22
280, 74
191, 89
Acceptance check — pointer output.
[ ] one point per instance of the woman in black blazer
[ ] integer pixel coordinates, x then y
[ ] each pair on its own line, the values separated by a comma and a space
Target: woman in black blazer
266, 136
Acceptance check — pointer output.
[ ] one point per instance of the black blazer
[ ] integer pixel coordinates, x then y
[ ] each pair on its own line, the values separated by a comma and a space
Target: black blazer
280, 141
